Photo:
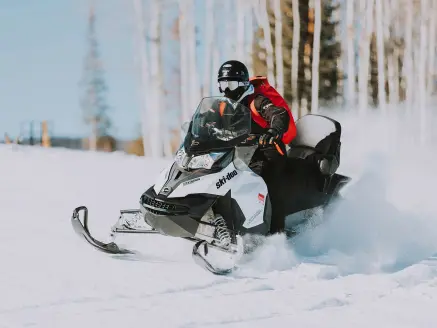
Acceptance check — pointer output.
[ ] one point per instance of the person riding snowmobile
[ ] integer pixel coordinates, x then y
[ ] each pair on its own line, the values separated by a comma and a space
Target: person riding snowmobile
271, 117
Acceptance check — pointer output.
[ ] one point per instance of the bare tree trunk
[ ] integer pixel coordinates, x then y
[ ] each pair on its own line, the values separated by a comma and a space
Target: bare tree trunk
241, 13
366, 6
209, 40
267, 40
295, 57
216, 65
141, 45
229, 44
396, 52
316, 57
380, 55
156, 79
192, 63
422, 69
350, 53
431, 47
184, 61
391, 78
408, 56
249, 36
278, 46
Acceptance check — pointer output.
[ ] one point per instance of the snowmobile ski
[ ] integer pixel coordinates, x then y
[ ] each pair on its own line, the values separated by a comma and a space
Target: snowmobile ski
202, 261
82, 230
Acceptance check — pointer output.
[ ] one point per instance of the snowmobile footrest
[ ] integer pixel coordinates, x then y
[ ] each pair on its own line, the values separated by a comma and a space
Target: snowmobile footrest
83, 231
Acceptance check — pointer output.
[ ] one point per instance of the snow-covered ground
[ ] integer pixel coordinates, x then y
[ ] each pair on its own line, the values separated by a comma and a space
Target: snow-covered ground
371, 265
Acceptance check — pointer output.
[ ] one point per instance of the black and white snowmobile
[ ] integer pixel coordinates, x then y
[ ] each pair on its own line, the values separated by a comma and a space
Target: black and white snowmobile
210, 196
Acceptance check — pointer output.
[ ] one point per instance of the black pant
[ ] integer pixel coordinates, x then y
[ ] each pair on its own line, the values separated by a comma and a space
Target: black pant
293, 185
270, 165
273, 175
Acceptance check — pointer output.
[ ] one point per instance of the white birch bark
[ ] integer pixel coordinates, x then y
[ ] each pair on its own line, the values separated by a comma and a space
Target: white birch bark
380, 56
209, 41
295, 57
216, 65
431, 47
156, 81
396, 21
165, 133
267, 41
249, 36
241, 13
144, 76
350, 53
316, 57
391, 78
366, 7
408, 73
229, 29
422, 69
194, 84
184, 68
278, 46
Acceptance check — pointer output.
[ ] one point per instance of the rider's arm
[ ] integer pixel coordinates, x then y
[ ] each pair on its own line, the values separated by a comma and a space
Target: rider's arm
277, 117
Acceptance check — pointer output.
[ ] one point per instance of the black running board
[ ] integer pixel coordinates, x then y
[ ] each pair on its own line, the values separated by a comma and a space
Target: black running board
83, 231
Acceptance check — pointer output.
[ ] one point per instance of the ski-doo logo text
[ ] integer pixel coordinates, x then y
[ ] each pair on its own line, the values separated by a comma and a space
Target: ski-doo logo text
228, 177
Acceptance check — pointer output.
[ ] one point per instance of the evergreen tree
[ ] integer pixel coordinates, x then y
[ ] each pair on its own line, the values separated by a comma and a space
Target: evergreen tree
373, 67
330, 50
94, 101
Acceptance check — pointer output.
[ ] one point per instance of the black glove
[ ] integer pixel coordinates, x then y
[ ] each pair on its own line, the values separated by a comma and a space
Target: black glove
273, 139
269, 138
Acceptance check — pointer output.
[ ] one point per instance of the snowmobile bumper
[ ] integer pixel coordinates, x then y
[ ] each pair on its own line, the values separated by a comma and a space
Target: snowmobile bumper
175, 217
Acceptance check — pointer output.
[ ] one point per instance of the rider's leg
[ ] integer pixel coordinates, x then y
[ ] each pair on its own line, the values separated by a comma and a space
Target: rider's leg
273, 174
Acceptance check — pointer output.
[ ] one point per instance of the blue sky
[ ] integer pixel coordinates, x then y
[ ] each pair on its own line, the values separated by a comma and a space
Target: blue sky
41, 58
42, 54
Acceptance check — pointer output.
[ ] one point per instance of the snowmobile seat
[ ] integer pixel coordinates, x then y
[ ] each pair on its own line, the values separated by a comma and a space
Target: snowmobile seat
318, 143
318, 137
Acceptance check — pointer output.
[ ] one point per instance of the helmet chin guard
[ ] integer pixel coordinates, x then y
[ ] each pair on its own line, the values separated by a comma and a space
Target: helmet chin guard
234, 94
237, 95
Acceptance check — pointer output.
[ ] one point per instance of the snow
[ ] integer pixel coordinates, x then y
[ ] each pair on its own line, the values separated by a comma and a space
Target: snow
371, 264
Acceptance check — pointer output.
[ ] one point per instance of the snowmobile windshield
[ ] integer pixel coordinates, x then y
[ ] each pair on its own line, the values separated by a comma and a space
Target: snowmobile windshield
219, 123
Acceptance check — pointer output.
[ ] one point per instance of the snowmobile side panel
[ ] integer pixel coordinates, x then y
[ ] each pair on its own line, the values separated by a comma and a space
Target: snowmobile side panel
82, 230
162, 178
214, 183
248, 189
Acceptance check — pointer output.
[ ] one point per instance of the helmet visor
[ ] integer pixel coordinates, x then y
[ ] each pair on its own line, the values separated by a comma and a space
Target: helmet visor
232, 85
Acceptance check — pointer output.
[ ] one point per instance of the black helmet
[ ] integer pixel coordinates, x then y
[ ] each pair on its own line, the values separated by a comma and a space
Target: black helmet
233, 79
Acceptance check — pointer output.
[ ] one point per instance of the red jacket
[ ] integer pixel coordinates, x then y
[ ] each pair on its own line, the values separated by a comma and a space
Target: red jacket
269, 113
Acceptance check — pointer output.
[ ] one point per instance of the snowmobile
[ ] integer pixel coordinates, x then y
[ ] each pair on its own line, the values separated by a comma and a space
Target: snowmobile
210, 196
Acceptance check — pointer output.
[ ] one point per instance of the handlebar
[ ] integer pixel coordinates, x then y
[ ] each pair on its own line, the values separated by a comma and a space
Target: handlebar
253, 139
